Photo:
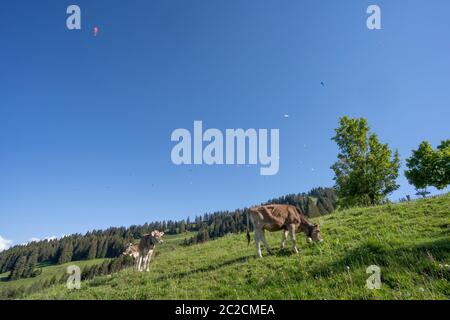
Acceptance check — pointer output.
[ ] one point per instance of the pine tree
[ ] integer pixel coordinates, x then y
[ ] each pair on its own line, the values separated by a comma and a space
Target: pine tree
66, 252
30, 265
92, 254
312, 210
104, 250
19, 268
182, 227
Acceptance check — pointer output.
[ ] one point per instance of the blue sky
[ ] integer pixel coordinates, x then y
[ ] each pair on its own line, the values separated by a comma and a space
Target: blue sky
85, 122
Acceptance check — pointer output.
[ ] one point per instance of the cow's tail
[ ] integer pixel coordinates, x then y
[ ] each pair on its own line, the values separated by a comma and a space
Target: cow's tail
248, 226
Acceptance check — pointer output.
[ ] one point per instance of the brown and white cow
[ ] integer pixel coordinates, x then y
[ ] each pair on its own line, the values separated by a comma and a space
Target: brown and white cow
278, 217
132, 250
142, 253
146, 248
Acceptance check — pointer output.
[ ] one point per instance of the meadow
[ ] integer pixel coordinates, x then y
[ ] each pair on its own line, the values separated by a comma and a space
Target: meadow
409, 241
49, 273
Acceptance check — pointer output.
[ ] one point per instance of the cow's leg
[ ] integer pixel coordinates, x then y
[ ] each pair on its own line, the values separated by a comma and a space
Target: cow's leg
136, 262
147, 261
142, 262
292, 233
263, 236
147, 257
150, 253
284, 234
139, 263
258, 246
144, 267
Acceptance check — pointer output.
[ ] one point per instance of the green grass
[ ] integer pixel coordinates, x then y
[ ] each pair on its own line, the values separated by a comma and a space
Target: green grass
410, 242
48, 272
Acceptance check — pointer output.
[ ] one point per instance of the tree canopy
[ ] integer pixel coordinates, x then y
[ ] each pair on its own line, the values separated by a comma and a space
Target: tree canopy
366, 170
428, 167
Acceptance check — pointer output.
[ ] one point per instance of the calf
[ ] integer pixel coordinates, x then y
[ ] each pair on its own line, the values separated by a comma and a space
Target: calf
145, 249
277, 217
132, 250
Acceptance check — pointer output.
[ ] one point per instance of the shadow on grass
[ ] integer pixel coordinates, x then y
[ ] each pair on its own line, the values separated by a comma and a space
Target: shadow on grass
207, 268
286, 252
276, 253
426, 258
283, 252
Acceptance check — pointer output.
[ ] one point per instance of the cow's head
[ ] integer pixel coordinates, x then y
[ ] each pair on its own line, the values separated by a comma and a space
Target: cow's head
314, 233
158, 236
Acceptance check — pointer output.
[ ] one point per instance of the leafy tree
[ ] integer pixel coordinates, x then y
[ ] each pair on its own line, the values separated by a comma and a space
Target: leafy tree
428, 167
366, 170
420, 166
442, 169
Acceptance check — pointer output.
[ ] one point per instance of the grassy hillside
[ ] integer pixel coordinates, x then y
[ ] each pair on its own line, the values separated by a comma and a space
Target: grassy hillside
48, 272
410, 242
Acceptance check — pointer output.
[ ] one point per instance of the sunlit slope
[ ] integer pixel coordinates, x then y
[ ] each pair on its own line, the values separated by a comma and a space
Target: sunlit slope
48, 272
410, 242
